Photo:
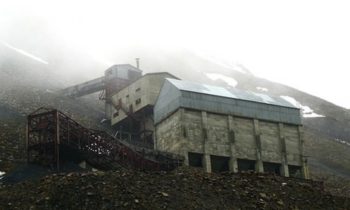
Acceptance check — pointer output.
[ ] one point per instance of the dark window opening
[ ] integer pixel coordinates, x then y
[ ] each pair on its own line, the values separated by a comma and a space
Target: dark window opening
245, 165
195, 159
219, 163
295, 171
116, 114
138, 101
274, 168
137, 89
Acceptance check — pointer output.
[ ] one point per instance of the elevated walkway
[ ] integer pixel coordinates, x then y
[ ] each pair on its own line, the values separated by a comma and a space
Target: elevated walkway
85, 88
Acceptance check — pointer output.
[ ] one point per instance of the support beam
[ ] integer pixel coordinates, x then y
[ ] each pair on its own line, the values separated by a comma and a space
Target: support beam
284, 161
259, 167
207, 163
232, 139
305, 171
206, 155
184, 148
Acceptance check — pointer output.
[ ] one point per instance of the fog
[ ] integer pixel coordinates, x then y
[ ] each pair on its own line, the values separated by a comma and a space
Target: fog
301, 44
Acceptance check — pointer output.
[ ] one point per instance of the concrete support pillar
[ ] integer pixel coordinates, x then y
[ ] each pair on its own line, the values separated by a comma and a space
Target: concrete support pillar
184, 145
233, 160
155, 138
259, 167
231, 135
207, 163
185, 154
284, 160
206, 154
305, 171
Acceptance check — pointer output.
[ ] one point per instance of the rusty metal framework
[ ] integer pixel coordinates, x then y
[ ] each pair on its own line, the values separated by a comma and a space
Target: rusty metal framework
53, 137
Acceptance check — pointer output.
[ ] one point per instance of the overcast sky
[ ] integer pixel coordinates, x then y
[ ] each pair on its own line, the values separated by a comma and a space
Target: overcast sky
304, 44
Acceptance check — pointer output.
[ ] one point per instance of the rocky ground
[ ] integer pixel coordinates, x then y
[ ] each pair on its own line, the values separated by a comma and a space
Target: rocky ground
184, 188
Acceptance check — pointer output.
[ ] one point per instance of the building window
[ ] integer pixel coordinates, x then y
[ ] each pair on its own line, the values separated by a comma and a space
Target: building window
219, 163
274, 168
138, 101
184, 132
116, 114
137, 89
245, 165
195, 159
127, 99
295, 171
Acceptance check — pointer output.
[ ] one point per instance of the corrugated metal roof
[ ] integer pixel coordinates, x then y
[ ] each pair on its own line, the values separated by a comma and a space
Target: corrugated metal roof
175, 94
234, 93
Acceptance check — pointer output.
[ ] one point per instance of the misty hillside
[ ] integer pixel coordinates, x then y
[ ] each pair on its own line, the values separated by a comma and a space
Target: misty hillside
326, 125
319, 115
27, 84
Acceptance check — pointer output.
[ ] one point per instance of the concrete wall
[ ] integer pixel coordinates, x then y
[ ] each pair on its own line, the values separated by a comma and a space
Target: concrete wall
230, 136
139, 94
169, 136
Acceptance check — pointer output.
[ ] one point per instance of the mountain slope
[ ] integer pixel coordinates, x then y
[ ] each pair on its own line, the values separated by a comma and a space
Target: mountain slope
327, 138
27, 85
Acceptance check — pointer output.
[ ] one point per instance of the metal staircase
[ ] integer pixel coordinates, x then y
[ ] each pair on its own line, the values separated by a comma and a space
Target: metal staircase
53, 138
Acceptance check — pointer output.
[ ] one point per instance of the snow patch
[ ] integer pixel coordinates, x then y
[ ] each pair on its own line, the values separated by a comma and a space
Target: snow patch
2, 174
24, 53
291, 100
262, 89
306, 110
342, 142
229, 80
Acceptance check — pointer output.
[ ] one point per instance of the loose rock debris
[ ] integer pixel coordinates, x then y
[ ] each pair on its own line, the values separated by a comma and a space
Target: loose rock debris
184, 188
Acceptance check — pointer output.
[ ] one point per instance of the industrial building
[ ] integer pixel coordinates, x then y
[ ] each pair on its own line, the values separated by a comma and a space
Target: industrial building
133, 113
209, 126
214, 128
224, 131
